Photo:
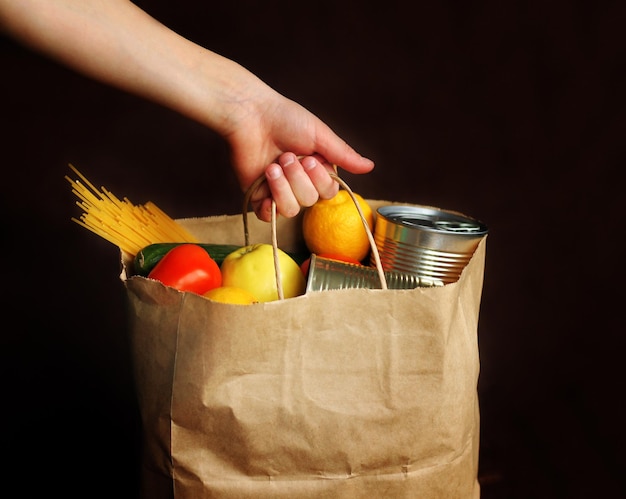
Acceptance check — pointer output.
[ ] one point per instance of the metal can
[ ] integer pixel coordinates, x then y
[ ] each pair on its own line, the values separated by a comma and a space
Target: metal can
427, 242
326, 274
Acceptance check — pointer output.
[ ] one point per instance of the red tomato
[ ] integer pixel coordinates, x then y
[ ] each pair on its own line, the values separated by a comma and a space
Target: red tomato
188, 267
341, 258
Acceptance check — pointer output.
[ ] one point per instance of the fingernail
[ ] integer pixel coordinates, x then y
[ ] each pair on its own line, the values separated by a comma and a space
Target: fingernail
309, 163
273, 172
287, 160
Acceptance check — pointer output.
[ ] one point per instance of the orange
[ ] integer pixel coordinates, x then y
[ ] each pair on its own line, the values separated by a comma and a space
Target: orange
334, 226
231, 294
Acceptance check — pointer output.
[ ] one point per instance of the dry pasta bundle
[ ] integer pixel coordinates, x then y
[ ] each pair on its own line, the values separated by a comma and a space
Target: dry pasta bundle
128, 226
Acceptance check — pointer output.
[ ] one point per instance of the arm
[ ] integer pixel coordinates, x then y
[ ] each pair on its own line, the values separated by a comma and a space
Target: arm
117, 43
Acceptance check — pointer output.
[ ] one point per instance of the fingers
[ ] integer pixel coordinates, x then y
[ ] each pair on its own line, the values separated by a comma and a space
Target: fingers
263, 209
286, 202
317, 169
296, 183
301, 186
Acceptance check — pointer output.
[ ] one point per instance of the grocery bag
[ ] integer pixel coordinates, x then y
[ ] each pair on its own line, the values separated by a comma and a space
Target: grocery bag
349, 393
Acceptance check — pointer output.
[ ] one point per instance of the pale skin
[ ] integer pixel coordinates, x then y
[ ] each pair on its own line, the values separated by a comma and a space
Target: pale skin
117, 43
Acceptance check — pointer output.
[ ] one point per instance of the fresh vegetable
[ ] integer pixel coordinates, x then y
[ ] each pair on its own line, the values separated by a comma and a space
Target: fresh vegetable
188, 267
149, 256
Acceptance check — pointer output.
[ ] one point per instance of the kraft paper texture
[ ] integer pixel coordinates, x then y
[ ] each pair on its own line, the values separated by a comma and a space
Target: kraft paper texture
352, 393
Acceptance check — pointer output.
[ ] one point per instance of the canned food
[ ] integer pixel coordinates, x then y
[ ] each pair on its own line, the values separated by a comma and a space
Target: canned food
325, 274
427, 242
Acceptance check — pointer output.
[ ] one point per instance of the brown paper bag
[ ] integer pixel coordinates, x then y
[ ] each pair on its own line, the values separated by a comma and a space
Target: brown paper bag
353, 393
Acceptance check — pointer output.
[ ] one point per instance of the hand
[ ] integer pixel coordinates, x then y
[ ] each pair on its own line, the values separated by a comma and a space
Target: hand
292, 148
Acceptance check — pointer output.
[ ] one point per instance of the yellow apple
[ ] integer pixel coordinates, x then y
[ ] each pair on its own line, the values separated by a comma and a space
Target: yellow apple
252, 268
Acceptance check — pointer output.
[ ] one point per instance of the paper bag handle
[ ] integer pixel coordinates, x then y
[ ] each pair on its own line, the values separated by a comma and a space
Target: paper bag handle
279, 286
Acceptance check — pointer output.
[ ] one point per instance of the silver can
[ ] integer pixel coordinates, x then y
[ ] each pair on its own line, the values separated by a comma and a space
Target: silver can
326, 274
426, 242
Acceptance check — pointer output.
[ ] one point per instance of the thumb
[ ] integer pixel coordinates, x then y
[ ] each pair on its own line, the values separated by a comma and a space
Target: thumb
335, 150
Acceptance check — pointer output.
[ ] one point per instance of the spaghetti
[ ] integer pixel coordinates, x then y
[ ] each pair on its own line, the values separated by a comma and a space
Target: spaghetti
128, 226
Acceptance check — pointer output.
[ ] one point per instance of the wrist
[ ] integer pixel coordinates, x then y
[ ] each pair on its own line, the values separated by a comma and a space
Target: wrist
222, 94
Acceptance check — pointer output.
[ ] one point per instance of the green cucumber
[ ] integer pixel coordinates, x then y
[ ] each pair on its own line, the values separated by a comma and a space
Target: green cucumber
149, 256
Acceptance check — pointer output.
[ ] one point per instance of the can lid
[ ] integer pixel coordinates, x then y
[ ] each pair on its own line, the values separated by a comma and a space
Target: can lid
433, 219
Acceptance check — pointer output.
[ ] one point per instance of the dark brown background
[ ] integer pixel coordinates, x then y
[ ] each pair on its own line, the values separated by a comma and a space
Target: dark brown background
511, 112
